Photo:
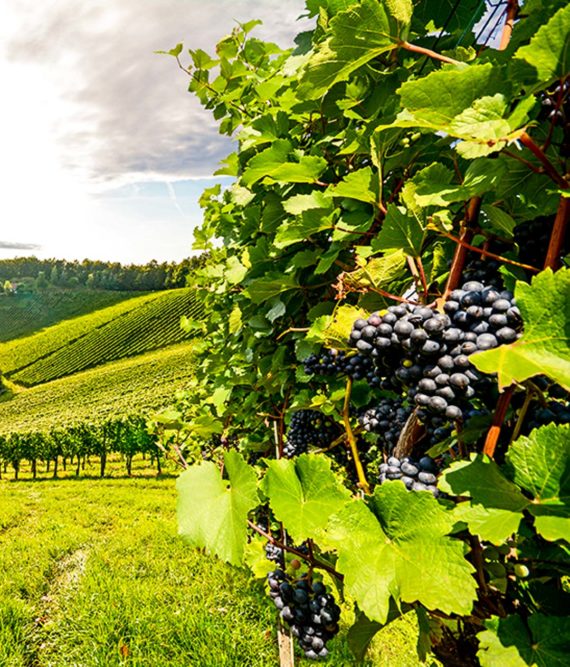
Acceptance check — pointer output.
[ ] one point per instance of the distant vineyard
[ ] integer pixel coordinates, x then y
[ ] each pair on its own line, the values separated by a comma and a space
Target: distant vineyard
23, 315
15, 355
126, 387
132, 328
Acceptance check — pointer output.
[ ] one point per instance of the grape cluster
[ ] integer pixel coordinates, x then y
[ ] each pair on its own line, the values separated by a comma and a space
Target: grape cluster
483, 270
336, 362
417, 475
554, 412
386, 419
308, 609
431, 349
273, 553
308, 428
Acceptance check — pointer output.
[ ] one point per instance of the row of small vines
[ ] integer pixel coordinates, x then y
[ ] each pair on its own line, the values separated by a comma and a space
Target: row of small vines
382, 384
73, 446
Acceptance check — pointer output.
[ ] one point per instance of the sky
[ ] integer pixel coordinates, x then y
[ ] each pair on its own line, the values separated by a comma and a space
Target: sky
104, 153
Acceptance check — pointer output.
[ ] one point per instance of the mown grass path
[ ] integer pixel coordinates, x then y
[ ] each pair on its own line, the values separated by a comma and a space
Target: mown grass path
93, 574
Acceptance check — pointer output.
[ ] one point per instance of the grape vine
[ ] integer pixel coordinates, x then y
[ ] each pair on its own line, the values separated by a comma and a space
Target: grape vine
387, 346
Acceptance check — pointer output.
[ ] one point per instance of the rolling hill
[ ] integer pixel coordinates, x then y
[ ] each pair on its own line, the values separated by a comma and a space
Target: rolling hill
25, 314
132, 327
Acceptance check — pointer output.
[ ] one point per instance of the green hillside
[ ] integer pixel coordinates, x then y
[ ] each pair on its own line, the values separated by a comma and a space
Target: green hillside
120, 388
24, 314
127, 329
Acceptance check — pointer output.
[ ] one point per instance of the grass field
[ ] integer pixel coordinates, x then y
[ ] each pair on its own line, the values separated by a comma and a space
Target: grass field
129, 386
92, 574
24, 314
127, 329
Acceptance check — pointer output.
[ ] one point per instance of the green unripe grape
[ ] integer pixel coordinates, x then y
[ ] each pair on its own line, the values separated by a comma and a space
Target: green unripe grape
405, 142
415, 136
521, 571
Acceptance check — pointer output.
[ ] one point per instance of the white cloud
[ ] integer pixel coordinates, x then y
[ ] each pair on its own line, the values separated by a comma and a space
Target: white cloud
88, 106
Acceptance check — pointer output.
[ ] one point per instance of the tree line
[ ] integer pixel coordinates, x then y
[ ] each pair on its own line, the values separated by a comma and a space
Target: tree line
44, 273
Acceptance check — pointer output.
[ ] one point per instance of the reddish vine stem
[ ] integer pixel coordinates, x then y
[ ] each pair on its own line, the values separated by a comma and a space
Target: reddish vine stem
512, 11
458, 262
558, 234
532, 167
422, 276
498, 419
487, 253
428, 52
302, 556
543, 159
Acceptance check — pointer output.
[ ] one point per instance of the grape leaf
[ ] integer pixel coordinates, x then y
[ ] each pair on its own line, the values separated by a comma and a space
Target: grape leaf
212, 512
273, 163
300, 203
358, 184
303, 493
549, 49
262, 289
541, 466
544, 347
301, 228
378, 271
495, 505
467, 102
544, 641
358, 34
362, 631
399, 547
400, 232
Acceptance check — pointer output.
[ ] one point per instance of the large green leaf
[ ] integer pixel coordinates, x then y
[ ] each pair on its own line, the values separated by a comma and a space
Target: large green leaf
541, 464
443, 94
358, 34
495, 506
359, 185
549, 50
302, 227
544, 347
378, 271
303, 494
274, 163
272, 284
212, 511
469, 102
400, 548
543, 641
400, 232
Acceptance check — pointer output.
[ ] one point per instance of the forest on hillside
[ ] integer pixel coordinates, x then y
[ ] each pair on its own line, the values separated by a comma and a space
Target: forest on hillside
31, 273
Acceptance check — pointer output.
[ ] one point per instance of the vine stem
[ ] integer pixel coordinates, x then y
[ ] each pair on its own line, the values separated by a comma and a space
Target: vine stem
466, 235
362, 482
487, 253
543, 159
315, 562
522, 414
558, 234
498, 419
428, 52
512, 11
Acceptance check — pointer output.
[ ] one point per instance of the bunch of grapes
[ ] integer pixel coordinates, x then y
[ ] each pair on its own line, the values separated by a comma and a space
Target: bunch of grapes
335, 362
386, 419
308, 609
432, 349
417, 475
554, 412
273, 552
308, 428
